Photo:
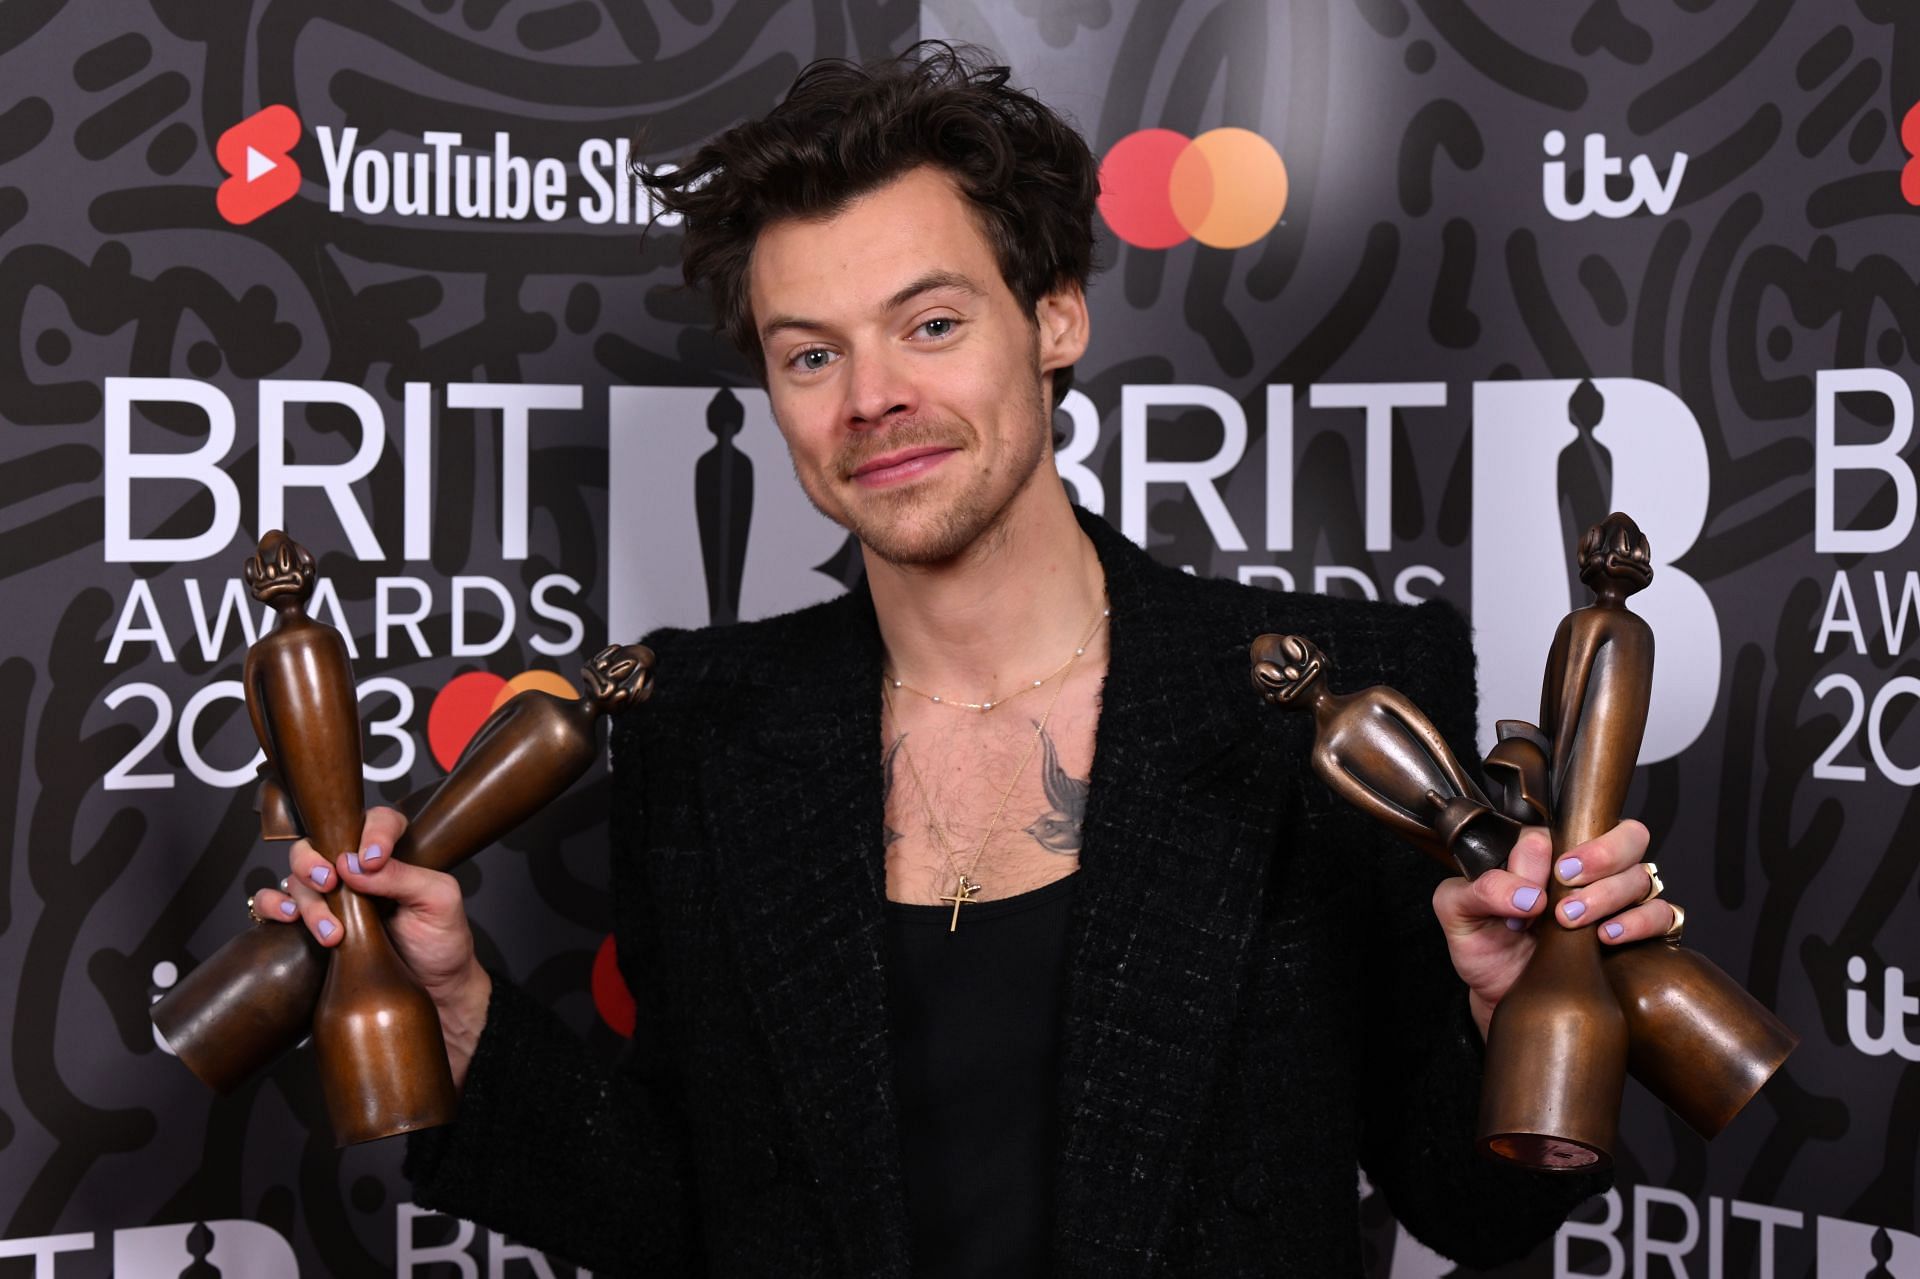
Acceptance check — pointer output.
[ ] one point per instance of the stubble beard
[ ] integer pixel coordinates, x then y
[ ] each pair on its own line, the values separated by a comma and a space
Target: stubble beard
911, 527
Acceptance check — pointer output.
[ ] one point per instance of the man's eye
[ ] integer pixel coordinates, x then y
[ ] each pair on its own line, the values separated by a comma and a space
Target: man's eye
813, 361
938, 327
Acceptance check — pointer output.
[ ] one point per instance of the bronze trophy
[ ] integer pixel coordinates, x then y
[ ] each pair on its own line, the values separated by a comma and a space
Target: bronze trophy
383, 1067
1581, 1014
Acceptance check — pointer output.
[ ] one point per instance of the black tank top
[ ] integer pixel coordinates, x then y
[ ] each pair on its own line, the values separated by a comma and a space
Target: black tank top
976, 1040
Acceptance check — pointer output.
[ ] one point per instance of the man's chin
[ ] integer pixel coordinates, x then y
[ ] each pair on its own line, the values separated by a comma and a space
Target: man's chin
920, 534
917, 548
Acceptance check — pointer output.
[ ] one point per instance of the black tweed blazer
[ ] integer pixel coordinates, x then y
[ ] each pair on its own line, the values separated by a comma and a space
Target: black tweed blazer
1259, 998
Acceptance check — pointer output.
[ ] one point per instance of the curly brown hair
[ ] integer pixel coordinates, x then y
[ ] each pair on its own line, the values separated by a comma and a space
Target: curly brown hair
845, 130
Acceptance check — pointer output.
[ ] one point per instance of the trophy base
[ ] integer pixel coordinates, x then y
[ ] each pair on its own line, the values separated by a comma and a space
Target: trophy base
370, 1105
1543, 1153
251, 1001
1698, 1041
343, 1138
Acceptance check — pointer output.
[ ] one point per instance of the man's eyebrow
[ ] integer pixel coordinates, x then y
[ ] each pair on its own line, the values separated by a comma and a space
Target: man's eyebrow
927, 283
783, 323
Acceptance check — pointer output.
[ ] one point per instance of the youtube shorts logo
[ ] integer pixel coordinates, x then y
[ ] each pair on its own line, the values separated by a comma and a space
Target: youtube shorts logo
255, 153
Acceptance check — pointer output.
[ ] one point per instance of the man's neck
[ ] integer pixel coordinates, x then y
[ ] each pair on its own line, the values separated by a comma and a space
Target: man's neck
1006, 611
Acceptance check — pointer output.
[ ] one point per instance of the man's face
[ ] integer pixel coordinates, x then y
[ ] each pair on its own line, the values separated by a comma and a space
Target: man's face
904, 374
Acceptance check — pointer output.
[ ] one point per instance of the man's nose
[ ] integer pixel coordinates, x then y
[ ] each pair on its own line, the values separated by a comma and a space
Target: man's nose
879, 387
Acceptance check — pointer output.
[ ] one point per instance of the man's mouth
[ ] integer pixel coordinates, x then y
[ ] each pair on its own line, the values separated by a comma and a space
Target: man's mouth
901, 465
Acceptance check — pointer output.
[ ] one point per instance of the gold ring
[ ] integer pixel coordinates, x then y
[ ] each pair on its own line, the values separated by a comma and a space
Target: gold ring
1655, 886
250, 913
1678, 926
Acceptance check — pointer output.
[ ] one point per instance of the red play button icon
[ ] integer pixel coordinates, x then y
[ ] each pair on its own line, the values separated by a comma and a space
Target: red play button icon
255, 153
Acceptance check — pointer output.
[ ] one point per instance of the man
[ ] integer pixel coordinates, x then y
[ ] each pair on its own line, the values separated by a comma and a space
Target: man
982, 921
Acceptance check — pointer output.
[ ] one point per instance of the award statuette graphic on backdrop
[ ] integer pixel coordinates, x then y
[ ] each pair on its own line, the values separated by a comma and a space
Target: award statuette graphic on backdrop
383, 1066
1580, 1015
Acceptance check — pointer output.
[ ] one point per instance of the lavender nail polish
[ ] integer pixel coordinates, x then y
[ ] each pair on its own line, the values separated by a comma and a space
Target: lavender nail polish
1570, 867
353, 862
326, 929
1516, 925
289, 909
320, 875
1524, 898
1614, 930
373, 854
1574, 910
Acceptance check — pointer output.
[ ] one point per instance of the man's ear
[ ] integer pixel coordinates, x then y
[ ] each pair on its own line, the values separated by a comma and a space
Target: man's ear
1061, 317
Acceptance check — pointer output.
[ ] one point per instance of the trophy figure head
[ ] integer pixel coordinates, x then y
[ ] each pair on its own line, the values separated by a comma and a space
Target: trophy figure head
1286, 670
1614, 558
280, 572
618, 676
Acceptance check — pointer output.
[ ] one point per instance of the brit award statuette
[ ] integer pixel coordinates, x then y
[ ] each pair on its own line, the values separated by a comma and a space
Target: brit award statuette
1581, 1015
382, 1063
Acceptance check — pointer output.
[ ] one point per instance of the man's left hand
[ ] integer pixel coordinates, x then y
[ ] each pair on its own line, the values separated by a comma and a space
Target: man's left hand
1489, 921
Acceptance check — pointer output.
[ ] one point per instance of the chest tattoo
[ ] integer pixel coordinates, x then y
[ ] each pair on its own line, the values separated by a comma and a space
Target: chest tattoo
888, 835
1058, 829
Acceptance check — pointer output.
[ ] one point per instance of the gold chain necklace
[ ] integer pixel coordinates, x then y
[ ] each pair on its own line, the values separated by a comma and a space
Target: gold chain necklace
984, 707
965, 886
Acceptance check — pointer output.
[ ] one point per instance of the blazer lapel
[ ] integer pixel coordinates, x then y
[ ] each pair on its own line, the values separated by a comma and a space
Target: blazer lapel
797, 813
1179, 831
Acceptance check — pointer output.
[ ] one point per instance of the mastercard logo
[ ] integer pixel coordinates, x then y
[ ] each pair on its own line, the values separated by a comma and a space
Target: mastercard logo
1225, 188
461, 707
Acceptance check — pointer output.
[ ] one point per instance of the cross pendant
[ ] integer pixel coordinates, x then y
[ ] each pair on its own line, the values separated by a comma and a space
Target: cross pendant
962, 895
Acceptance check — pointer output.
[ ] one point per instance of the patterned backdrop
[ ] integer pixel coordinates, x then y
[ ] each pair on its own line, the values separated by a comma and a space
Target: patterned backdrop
1399, 296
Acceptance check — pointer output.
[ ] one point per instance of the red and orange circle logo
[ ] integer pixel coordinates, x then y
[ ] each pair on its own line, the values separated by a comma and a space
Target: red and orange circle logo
463, 705
1225, 188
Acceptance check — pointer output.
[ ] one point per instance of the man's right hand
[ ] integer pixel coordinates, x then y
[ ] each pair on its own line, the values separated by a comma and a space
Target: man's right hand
428, 925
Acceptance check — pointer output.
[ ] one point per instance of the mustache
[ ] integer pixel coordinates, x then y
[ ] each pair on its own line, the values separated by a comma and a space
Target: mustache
860, 450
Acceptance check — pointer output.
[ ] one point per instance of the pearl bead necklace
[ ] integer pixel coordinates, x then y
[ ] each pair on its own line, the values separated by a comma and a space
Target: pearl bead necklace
983, 707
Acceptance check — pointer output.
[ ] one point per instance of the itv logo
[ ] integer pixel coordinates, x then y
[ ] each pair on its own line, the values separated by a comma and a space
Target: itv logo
1649, 190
